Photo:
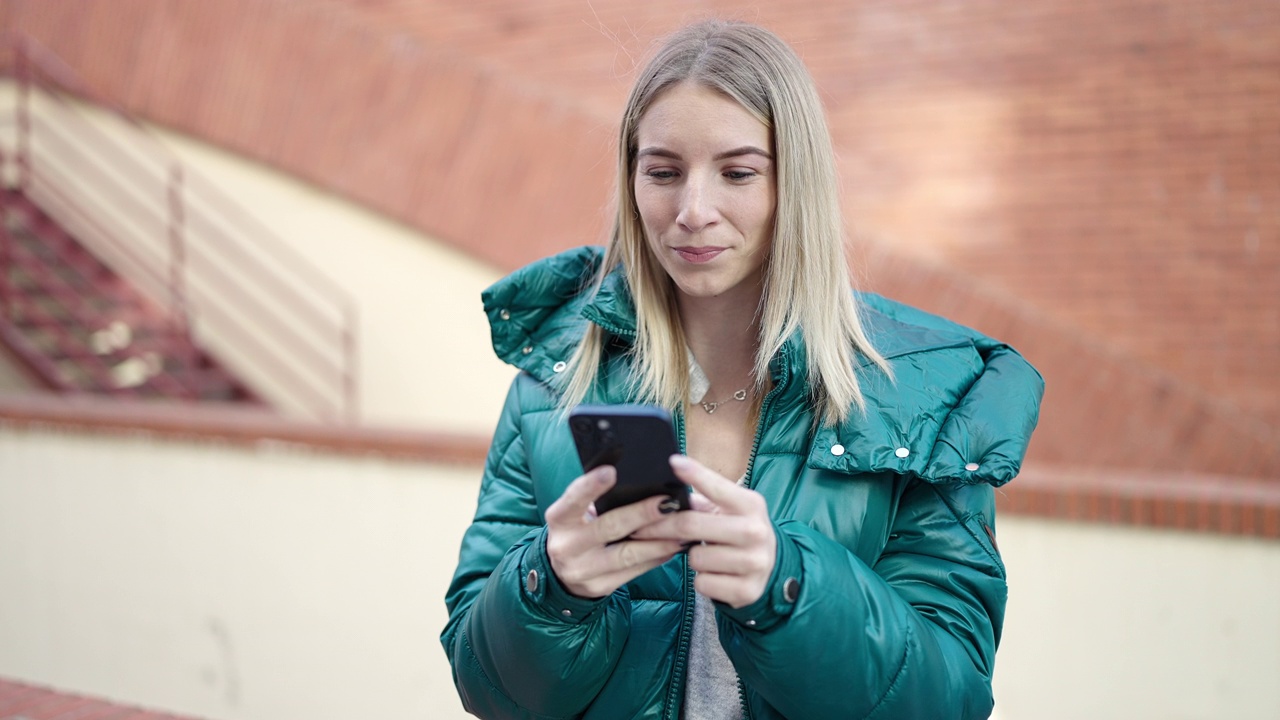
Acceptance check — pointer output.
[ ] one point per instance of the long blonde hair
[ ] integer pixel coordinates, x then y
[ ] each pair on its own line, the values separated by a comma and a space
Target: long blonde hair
806, 287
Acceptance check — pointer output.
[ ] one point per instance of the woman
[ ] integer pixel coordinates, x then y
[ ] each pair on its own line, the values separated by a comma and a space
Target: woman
839, 558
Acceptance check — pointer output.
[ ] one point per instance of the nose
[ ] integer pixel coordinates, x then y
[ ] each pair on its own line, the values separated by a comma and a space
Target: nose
697, 206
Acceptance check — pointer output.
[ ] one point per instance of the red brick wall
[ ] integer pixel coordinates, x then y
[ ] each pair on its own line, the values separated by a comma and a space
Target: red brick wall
1100, 410
1115, 164
1097, 182
448, 145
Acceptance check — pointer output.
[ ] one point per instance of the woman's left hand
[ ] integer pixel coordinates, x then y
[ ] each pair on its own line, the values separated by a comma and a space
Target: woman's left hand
734, 548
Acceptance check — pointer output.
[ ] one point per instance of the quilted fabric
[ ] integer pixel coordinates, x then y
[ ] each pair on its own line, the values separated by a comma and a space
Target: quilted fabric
885, 523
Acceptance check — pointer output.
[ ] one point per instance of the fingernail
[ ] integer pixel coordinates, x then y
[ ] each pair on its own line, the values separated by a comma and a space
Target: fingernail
668, 505
604, 474
679, 461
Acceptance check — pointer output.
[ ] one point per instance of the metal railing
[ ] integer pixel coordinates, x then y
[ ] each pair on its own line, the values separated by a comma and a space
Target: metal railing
253, 302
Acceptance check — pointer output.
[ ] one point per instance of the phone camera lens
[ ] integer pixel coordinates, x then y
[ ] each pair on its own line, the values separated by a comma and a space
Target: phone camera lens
602, 424
582, 426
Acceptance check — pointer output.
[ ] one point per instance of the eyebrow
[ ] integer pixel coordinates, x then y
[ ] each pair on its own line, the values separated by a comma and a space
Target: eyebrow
736, 152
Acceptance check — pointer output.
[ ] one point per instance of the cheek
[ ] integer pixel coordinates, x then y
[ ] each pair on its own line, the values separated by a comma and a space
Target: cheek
755, 214
767, 213
650, 207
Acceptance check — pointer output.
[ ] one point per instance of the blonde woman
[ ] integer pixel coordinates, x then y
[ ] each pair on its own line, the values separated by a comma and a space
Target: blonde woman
839, 558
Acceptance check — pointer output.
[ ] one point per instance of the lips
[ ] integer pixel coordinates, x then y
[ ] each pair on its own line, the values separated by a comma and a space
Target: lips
698, 254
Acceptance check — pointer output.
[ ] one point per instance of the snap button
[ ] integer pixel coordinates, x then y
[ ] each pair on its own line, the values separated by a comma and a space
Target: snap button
837, 450
559, 367
531, 581
750, 623
791, 590
504, 314
526, 349
566, 612
971, 467
902, 452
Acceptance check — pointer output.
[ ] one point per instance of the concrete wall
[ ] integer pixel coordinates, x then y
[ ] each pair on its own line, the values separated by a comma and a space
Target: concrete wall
247, 583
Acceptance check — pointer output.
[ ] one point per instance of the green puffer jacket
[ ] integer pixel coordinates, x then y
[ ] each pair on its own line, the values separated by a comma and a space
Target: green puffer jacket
885, 522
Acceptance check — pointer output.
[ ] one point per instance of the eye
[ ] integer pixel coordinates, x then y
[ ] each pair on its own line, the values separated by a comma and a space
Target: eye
739, 175
660, 174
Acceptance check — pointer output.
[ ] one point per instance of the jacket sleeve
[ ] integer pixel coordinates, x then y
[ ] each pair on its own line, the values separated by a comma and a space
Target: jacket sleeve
520, 645
913, 637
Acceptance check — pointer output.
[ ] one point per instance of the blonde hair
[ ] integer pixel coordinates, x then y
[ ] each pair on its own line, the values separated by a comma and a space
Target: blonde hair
807, 287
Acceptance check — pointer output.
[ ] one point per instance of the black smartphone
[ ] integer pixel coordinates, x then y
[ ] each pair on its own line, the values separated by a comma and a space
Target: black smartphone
637, 440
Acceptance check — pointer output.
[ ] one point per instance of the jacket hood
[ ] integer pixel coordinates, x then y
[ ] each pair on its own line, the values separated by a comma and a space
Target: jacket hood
960, 408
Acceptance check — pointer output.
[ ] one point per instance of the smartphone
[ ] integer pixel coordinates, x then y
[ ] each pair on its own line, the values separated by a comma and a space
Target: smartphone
637, 440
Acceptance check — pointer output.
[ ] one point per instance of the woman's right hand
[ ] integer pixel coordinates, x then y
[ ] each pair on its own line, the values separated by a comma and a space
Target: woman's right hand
579, 542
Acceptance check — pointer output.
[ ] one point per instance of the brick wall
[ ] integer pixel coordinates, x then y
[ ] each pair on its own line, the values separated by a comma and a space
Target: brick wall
1116, 164
450, 146
1101, 411
1097, 182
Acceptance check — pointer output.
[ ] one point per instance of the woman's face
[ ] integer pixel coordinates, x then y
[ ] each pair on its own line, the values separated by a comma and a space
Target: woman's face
706, 191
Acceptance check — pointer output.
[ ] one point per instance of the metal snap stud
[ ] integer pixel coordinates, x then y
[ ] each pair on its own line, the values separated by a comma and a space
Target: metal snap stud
791, 590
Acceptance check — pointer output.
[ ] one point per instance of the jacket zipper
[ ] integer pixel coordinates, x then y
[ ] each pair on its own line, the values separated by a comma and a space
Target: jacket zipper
615, 330
765, 406
675, 696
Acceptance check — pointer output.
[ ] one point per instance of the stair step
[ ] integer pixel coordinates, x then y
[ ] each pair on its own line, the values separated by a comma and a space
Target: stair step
135, 363
98, 331
91, 314
78, 375
69, 268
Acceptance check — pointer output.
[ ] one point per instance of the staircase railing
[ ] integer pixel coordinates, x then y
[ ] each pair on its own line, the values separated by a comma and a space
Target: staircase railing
253, 302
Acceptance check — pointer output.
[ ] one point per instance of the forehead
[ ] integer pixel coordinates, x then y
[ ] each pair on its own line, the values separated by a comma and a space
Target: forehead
693, 115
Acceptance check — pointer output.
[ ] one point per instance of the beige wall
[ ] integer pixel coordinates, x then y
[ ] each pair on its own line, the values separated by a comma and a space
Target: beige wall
228, 582
252, 583
1127, 623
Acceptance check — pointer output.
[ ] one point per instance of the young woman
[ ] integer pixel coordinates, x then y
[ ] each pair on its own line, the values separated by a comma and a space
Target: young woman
839, 559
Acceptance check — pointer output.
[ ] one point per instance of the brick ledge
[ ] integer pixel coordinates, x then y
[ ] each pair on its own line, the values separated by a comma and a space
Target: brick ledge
1181, 501
245, 426
19, 701
1194, 502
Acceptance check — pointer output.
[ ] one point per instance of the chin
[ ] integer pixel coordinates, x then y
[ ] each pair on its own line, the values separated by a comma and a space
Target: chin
703, 287
683, 286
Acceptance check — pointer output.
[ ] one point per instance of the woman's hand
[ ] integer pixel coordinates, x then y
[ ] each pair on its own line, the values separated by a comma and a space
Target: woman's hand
736, 548
579, 543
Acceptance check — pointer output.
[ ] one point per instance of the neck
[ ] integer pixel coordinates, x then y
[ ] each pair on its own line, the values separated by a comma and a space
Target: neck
723, 333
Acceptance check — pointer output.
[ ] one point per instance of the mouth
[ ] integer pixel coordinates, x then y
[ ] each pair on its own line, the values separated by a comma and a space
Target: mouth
698, 254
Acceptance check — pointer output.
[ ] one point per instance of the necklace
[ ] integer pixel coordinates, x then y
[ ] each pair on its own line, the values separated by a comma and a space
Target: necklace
711, 407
